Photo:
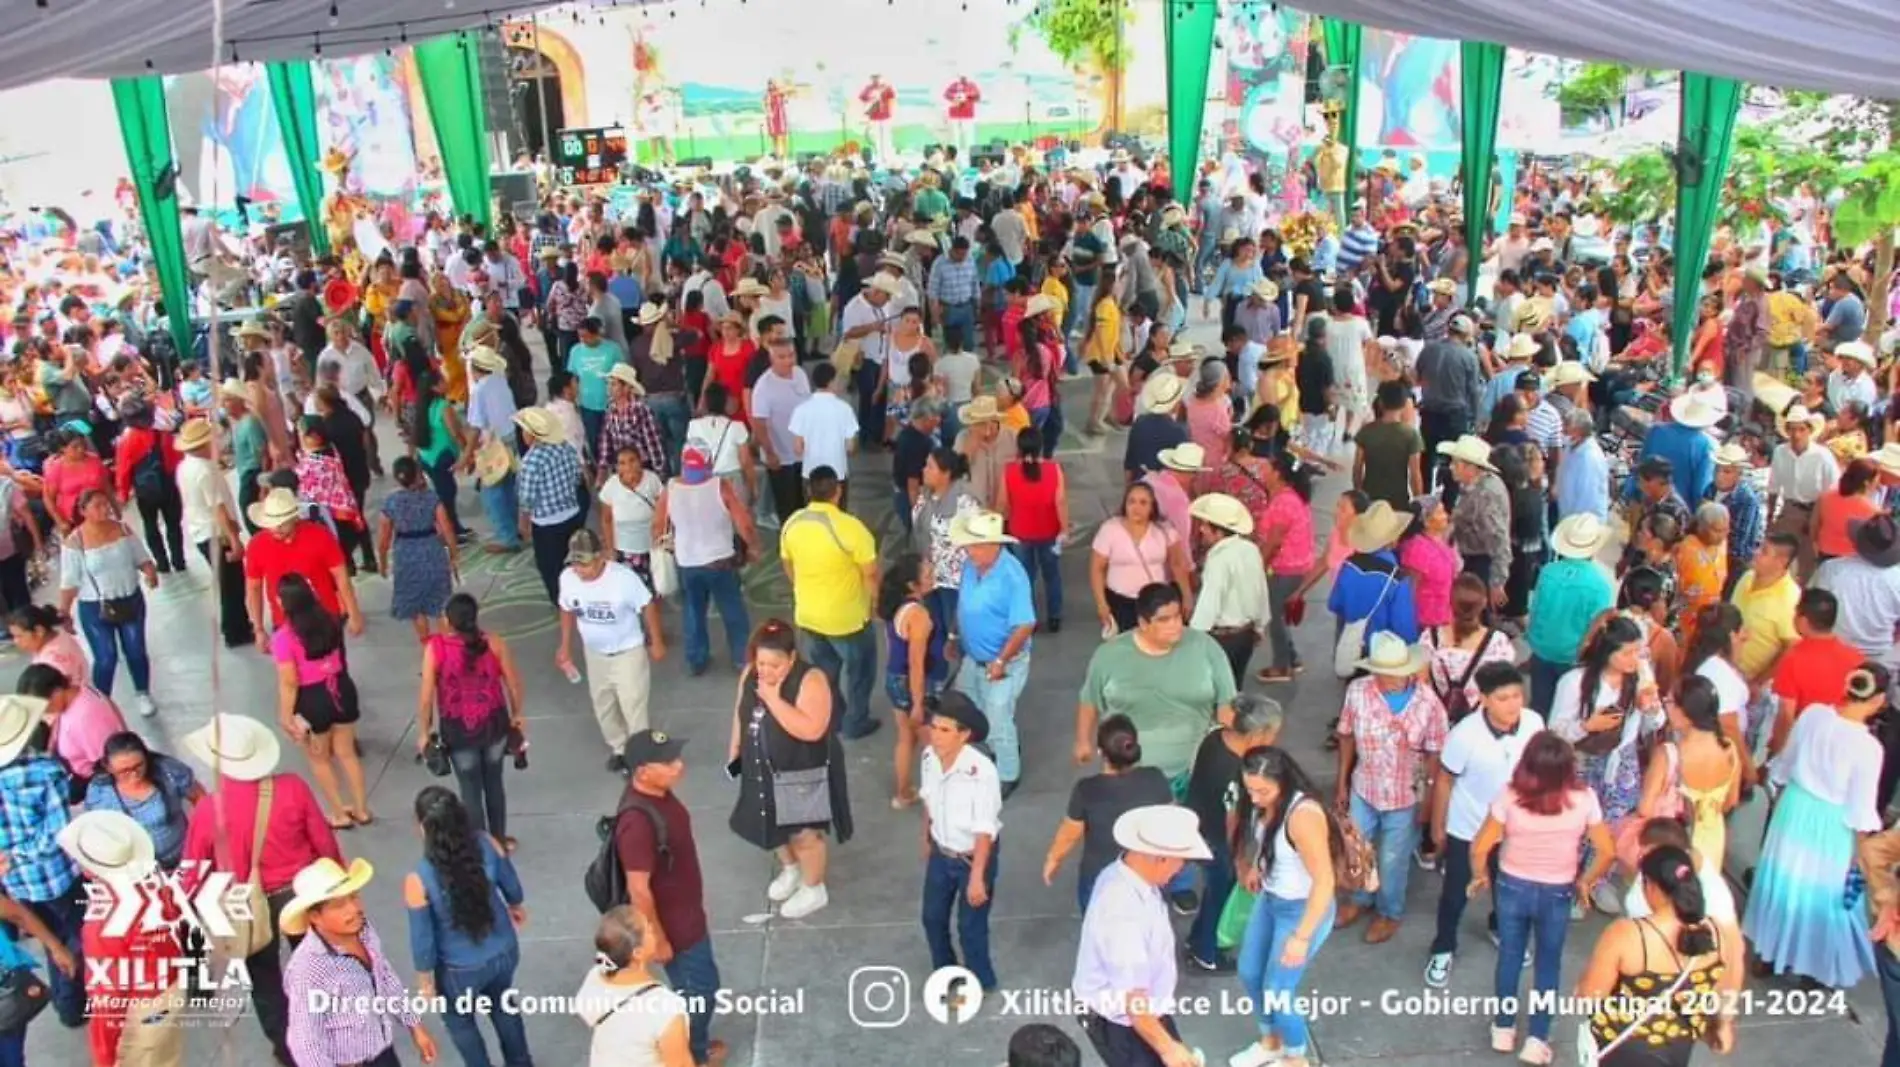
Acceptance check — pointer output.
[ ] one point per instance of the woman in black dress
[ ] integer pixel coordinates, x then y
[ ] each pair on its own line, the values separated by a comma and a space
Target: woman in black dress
791, 768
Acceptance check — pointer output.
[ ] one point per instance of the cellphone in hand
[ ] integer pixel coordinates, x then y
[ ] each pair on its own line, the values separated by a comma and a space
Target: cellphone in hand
732, 769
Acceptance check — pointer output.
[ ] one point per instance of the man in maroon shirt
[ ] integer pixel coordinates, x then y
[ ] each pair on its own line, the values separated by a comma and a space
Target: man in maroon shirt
242, 753
961, 99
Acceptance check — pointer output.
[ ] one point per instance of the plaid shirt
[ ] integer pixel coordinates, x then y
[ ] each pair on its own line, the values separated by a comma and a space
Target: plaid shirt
1175, 240
351, 1036
1747, 523
541, 242
632, 425
833, 196
550, 483
952, 282
1386, 747
33, 793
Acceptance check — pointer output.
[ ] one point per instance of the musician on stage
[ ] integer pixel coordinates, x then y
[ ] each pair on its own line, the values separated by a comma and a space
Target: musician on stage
776, 126
880, 107
962, 97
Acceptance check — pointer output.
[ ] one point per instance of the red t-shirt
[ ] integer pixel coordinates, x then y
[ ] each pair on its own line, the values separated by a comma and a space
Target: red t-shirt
143, 951
311, 550
879, 98
297, 835
1815, 671
962, 96
679, 894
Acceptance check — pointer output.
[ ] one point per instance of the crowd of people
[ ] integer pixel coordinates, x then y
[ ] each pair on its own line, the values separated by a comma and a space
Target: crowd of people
1559, 684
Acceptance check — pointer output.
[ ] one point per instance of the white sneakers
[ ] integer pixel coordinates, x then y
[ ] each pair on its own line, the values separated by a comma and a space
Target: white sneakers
1536, 1052
1255, 1055
1438, 970
146, 705
807, 899
784, 885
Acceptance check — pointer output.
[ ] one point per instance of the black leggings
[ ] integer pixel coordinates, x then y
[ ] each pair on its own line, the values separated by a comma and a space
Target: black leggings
167, 511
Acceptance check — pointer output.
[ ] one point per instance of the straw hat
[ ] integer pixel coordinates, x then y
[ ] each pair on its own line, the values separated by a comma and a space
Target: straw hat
1219, 509
1580, 536
1162, 394
1799, 413
628, 377
1690, 409
885, 284
1172, 214
232, 389
1570, 372
1377, 527
1734, 455
278, 507
252, 329
1887, 458
750, 287
235, 746
1167, 831
978, 528
1443, 286
1522, 346
1858, 351
923, 238
1186, 456
893, 261
650, 313
1040, 304
980, 409
540, 423
487, 360
319, 883
1388, 654
194, 434
1265, 290
1468, 449
1118, 156
110, 846
18, 717
1185, 350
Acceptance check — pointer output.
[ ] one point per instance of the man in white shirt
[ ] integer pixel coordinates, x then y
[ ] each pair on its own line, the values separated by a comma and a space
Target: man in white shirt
776, 396
1799, 471
504, 275
1853, 378
1480, 753
701, 281
211, 520
1127, 175
1011, 230
765, 220
619, 624
963, 807
867, 319
824, 428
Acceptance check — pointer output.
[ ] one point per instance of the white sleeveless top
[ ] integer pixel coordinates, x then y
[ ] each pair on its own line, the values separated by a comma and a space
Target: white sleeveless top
1288, 878
627, 1024
702, 529
899, 363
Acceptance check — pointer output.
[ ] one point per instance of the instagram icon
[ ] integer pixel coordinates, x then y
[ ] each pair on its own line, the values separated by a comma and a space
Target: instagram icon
880, 997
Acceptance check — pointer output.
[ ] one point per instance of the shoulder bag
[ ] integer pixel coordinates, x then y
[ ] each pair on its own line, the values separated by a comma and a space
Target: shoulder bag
115, 611
1604, 742
251, 935
1589, 1054
1351, 644
22, 997
799, 798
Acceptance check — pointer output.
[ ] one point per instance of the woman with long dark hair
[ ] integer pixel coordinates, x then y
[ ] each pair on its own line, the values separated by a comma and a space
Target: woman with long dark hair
1694, 776
322, 480
1098, 800
567, 306
915, 668
944, 494
469, 675
1542, 820
1285, 845
1647, 599
1132, 550
440, 439
464, 902
156, 790
417, 548
316, 698
1034, 503
1718, 645
1284, 531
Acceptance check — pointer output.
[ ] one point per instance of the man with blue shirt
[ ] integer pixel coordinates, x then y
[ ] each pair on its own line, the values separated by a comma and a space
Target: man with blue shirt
1583, 473
1571, 591
1357, 244
996, 613
589, 361
1680, 437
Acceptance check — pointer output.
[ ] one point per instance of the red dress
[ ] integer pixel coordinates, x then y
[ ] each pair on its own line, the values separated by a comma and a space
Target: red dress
727, 367
775, 124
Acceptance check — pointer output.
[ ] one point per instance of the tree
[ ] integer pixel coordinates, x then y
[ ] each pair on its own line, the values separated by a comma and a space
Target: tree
1853, 145
1595, 90
1089, 35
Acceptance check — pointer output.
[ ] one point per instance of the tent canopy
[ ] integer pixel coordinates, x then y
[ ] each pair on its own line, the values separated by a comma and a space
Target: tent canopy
128, 38
1841, 46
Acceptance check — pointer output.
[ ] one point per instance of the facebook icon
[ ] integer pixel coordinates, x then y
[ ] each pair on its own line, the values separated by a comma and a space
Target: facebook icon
952, 995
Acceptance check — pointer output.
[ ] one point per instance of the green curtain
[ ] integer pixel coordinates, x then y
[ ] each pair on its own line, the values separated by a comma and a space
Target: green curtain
1482, 75
1342, 50
293, 93
1189, 29
148, 154
1704, 143
450, 70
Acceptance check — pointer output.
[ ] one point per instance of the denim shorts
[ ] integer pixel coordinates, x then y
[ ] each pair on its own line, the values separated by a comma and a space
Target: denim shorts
897, 687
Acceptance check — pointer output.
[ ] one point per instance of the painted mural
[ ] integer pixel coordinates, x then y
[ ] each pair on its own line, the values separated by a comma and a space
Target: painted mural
1266, 51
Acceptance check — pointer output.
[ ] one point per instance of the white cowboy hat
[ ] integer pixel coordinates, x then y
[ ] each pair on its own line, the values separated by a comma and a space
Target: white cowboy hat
1040, 304
1580, 536
885, 284
1522, 346
1467, 449
1800, 413
321, 882
750, 287
1388, 654
978, 528
1119, 155
1186, 456
1377, 527
1570, 372
923, 238
232, 389
234, 746
1690, 409
1172, 214
252, 328
1858, 351
1265, 290
1164, 830
1887, 458
980, 409
110, 846
650, 313
194, 434
1162, 393
628, 377
1219, 509
893, 261
1734, 455
1543, 244
1443, 286
278, 507
18, 716
1185, 350
487, 360
541, 424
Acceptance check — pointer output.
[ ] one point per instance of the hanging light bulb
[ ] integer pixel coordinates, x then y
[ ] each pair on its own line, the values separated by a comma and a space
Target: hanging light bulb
402, 33
318, 50
334, 14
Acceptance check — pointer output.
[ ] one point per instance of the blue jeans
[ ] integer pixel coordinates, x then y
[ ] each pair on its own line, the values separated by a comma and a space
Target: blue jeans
491, 980
850, 664
63, 916
959, 326
673, 413
1045, 558
1393, 834
1082, 308
942, 603
442, 479
503, 511
698, 585
1543, 676
1268, 981
1048, 423
105, 639
695, 975
592, 421
1887, 965
13, 1048
900, 504
870, 408
1531, 909
1203, 936
998, 703
946, 885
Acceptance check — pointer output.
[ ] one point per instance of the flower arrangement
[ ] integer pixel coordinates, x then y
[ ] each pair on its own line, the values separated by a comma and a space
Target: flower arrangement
1301, 231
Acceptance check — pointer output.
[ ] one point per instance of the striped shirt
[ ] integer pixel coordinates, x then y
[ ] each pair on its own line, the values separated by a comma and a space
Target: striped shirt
1545, 426
953, 283
1354, 246
345, 1031
550, 483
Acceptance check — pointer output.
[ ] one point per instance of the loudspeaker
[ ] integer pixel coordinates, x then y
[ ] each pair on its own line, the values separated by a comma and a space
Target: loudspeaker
512, 187
694, 162
497, 103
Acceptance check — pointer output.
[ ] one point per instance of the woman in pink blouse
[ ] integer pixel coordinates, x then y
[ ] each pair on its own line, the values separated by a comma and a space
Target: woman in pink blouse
1285, 534
1462, 644
39, 632
1133, 550
1210, 412
75, 471
1428, 556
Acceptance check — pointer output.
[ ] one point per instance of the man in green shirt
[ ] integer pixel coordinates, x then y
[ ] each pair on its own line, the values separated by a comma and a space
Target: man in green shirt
250, 446
1388, 466
1173, 682
589, 361
930, 199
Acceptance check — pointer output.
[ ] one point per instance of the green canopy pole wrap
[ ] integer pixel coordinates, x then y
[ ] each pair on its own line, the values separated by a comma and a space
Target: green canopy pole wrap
293, 94
1189, 29
450, 70
1705, 141
1482, 77
1342, 41
148, 154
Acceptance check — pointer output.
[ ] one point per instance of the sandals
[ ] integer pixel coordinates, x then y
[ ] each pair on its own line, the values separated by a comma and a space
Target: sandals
362, 818
902, 802
345, 821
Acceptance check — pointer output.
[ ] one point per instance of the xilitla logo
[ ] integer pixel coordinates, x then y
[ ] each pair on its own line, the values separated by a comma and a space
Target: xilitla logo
162, 900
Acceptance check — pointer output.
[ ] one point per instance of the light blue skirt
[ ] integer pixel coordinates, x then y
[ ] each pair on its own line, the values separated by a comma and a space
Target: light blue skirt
1801, 916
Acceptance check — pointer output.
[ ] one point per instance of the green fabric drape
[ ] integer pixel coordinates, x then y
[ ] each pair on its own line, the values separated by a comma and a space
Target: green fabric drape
293, 95
1482, 76
1704, 143
1189, 29
148, 153
450, 70
1343, 41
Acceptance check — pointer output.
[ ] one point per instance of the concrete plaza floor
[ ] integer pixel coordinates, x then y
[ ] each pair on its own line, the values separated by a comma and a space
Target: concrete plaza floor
869, 935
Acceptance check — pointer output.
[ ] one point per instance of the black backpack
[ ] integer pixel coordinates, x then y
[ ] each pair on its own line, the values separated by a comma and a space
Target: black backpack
148, 476
605, 880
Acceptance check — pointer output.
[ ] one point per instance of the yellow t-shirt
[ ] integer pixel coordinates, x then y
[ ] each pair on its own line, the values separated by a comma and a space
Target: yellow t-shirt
1055, 290
828, 550
1767, 620
1016, 420
1104, 345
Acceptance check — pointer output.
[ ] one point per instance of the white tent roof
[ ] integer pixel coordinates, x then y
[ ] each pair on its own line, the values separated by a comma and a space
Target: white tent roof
1842, 46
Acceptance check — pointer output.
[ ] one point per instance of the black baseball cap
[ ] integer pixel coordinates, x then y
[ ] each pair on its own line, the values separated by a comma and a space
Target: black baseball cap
651, 746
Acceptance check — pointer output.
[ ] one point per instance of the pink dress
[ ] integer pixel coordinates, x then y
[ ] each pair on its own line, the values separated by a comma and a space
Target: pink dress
1437, 565
1210, 424
80, 732
1290, 515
